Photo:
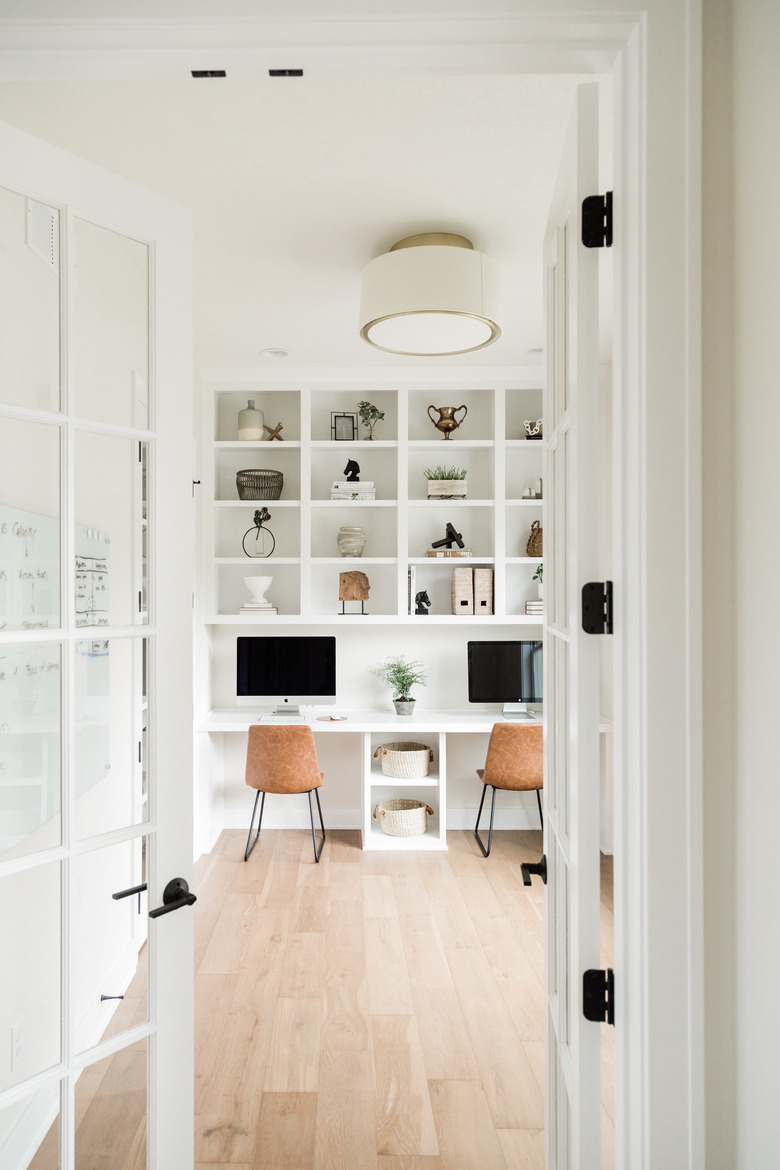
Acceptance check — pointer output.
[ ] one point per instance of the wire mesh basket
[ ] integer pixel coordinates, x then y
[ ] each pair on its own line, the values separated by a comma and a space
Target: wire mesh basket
259, 483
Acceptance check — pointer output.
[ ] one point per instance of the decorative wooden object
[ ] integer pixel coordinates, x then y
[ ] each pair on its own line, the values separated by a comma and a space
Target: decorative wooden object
273, 432
353, 586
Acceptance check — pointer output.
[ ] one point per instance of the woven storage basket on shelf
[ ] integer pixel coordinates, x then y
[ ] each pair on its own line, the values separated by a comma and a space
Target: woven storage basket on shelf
403, 818
259, 483
534, 546
404, 761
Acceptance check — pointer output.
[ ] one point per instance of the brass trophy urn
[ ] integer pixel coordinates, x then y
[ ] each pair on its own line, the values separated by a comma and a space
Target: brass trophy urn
447, 422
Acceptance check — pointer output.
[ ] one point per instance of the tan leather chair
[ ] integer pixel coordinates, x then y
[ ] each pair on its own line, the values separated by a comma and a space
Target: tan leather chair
513, 764
282, 758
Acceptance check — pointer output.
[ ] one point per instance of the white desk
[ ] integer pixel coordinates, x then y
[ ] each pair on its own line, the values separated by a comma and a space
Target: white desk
376, 728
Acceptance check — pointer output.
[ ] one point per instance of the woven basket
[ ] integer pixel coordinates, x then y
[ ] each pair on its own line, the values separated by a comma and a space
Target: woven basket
259, 483
403, 818
534, 546
404, 761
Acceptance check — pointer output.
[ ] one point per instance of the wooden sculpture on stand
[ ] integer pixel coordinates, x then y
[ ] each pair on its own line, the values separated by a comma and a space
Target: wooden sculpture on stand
353, 586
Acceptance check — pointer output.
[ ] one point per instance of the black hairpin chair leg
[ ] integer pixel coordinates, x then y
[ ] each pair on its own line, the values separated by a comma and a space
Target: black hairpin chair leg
486, 852
249, 847
317, 854
539, 802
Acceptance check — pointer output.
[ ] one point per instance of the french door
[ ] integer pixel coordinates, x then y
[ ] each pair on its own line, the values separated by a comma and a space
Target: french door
571, 656
95, 675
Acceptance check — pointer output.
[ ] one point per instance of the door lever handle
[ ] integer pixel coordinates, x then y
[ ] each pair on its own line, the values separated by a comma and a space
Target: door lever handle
126, 893
528, 868
175, 895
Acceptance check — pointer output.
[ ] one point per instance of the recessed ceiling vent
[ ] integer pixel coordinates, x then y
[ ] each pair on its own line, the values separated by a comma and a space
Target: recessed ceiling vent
285, 73
43, 233
208, 72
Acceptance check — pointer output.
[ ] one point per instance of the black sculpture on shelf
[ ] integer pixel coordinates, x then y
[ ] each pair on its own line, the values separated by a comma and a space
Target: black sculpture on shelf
422, 602
352, 471
264, 537
451, 538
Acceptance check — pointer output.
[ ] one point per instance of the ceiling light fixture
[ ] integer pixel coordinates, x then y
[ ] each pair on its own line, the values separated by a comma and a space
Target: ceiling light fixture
428, 297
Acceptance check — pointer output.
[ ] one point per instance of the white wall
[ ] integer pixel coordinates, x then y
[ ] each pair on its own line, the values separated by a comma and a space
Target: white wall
756, 549
742, 567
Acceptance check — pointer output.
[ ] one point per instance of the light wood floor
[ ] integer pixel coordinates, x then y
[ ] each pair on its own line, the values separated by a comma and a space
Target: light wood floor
378, 1010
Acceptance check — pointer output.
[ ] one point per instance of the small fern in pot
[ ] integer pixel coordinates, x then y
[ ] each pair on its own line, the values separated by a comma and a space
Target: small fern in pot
400, 675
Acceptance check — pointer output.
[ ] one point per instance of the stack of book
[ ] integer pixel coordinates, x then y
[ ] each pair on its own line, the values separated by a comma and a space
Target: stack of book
448, 552
344, 490
534, 608
258, 608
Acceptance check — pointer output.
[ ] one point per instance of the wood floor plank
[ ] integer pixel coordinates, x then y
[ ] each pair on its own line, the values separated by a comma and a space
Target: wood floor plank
425, 957
294, 1057
346, 1131
402, 1108
511, 1089
467, 1139
410, 1162
452, 917
379, 896
411, 896
345, 883
389, 991
303, 968
444, 1037
344, 845
345, 1017
286, 1131
523, 1148
232, 936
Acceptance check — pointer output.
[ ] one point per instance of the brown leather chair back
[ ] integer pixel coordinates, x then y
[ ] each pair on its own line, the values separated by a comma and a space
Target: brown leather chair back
514, 756
282, 758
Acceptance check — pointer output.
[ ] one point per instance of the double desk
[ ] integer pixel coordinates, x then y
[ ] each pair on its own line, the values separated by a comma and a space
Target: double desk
376, 728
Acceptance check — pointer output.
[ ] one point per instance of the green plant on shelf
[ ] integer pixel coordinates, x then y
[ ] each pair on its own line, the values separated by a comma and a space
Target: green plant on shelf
539, 574
370, 415
445, 473
400, 676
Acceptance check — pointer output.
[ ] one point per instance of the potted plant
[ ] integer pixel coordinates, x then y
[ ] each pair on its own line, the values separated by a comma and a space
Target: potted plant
446, 483
369, 416
539, 578
400, 676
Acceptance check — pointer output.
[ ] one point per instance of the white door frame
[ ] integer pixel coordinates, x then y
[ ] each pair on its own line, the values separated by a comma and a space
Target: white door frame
655, 50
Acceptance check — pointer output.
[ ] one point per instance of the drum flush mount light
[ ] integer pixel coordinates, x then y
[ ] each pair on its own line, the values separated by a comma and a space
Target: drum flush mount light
428, 297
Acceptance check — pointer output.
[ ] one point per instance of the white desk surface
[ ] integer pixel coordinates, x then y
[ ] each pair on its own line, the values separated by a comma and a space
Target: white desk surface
239, 719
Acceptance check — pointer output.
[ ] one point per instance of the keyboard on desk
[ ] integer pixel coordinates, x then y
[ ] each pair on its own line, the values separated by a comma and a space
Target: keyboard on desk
280, 719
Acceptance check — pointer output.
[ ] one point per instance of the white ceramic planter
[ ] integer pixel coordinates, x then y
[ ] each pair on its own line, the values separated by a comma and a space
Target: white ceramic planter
447, 489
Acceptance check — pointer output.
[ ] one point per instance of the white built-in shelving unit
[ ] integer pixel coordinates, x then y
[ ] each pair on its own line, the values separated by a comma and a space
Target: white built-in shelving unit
401, 523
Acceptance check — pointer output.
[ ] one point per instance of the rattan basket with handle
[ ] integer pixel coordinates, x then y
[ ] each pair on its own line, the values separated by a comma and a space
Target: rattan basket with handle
534, 546
259, 483
404, 761
403, 818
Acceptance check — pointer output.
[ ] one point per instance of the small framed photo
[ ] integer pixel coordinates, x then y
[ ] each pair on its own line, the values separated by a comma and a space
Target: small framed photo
343, 426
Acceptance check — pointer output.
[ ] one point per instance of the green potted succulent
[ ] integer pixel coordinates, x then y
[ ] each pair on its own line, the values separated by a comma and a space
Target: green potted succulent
400, 675
446, 483
370, 415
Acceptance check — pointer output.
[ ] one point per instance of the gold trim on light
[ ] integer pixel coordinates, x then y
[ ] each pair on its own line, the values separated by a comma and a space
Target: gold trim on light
495, 332
441, 239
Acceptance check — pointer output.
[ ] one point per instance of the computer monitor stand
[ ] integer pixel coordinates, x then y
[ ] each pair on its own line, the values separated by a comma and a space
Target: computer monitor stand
515, 711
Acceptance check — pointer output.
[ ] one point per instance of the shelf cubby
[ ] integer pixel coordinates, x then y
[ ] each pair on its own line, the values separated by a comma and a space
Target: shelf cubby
278, 406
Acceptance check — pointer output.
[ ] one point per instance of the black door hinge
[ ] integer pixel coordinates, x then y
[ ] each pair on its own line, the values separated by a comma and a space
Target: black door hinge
598, 996
597, 221
597, 607
539, 868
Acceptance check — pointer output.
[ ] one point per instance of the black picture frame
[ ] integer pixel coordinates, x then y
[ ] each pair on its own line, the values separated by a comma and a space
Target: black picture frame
343, 426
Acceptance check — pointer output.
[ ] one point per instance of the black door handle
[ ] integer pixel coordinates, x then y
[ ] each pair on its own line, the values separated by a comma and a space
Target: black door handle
175, 895
528, 868
126, 893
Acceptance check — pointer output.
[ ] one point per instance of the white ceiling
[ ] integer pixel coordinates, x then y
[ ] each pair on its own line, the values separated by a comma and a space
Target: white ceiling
296, 183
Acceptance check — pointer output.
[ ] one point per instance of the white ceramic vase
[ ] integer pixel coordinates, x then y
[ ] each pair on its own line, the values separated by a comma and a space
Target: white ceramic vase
257, 586
250, 424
